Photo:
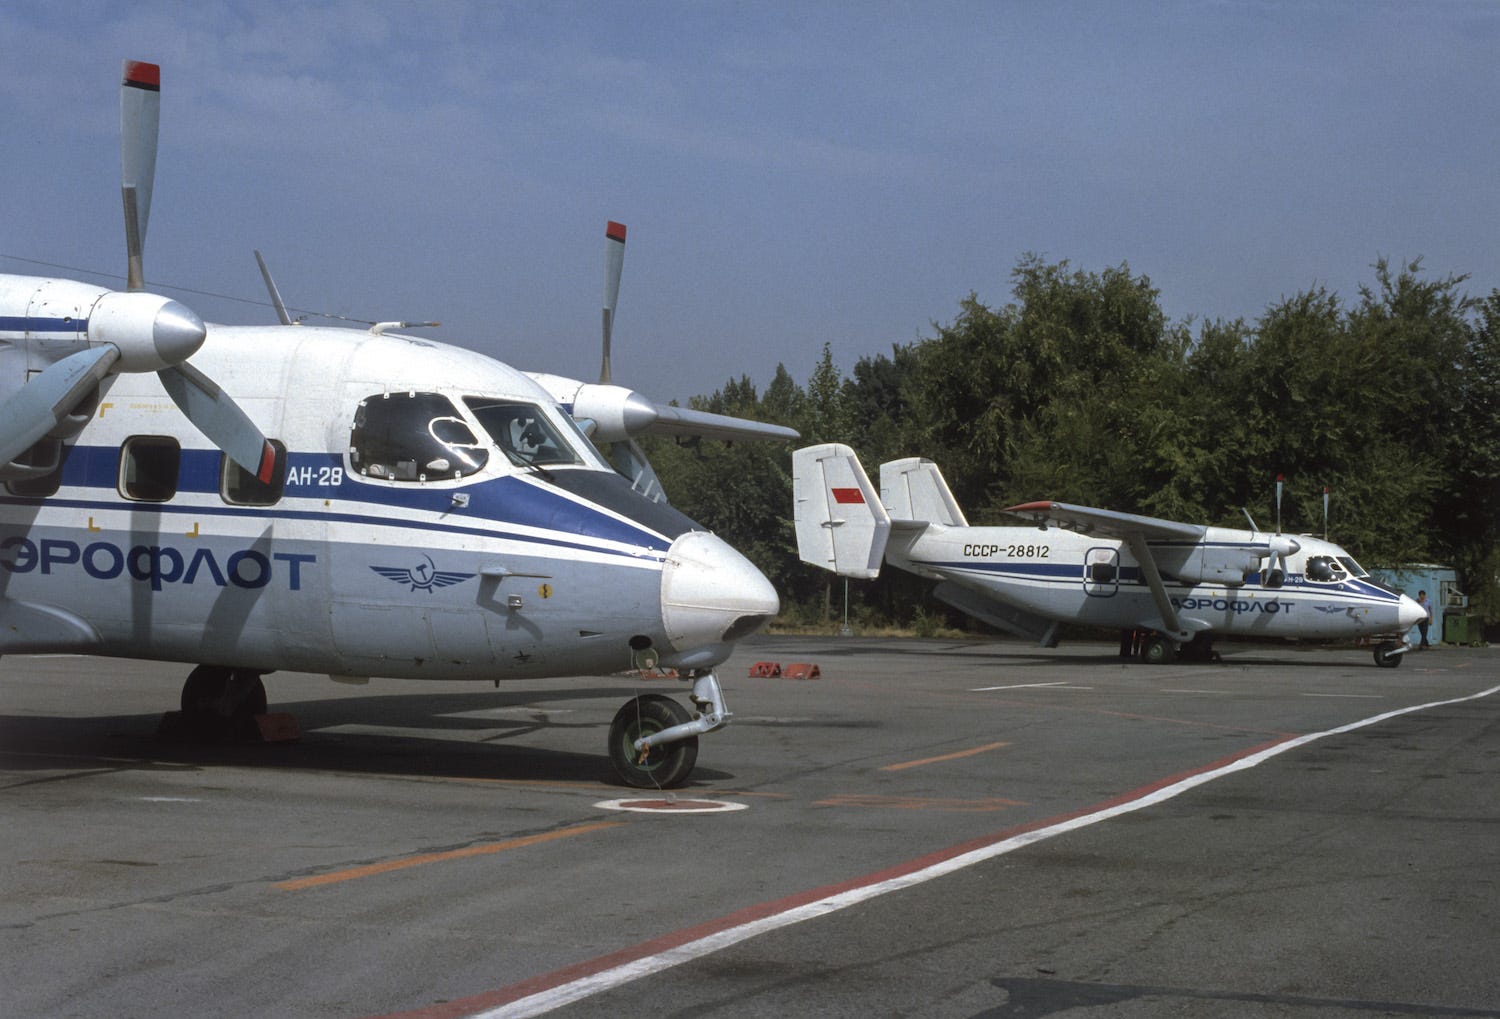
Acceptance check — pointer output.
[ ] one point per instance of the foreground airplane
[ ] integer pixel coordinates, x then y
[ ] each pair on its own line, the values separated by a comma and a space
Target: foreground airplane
1185, 583
418, 511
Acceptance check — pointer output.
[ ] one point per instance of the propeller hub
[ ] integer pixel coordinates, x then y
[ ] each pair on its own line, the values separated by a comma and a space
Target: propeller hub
150, 331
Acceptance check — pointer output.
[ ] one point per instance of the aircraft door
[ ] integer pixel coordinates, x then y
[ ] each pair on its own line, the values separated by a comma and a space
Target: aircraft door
1101, 572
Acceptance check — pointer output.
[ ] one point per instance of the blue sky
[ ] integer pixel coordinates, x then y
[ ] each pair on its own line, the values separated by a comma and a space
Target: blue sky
791, 174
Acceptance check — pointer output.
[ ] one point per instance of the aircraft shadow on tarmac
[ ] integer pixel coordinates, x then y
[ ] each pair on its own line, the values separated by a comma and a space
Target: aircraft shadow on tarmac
43, 743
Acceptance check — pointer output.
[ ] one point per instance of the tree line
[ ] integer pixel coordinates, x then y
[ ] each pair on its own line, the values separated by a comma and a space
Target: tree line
1080, 389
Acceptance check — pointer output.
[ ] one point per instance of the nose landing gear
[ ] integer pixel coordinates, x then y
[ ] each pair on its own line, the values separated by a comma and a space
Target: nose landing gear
653, 740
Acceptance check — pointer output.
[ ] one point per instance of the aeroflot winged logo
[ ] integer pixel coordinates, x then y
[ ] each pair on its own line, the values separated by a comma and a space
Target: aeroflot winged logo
422, 577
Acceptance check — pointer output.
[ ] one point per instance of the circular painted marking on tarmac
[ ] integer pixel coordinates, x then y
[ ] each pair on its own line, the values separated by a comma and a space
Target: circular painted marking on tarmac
670, 805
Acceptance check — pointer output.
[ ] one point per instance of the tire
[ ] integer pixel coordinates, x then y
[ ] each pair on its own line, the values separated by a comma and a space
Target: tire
665, 767
1157, 651
1385, 659
219, 703
203, 692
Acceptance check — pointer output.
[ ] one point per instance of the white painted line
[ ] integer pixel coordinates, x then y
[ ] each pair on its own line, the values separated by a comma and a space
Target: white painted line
670, 805
1018, 686
671, 950
1351, 696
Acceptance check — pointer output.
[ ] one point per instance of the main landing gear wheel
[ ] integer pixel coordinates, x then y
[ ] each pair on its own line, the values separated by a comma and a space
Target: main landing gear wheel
1385, 659
663, 767
217, 701
1156, 650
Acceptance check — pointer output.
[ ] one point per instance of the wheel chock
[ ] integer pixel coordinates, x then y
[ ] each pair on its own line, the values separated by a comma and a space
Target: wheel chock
278, 727
765, 670
802, 670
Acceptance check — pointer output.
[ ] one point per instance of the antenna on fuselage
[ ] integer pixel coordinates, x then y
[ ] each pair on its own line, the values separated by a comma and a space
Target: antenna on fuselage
1325, 512
276, 302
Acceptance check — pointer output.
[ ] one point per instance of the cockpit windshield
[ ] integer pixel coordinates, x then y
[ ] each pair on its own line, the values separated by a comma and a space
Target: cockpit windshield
1325, 569
524, 433
1355, 570
413, 437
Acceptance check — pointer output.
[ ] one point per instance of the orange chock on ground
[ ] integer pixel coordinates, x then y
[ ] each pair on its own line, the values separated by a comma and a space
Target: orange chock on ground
765, 670
278, 727
802, 670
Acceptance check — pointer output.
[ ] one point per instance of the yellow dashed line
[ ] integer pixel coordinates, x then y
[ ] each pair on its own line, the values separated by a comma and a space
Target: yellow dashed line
370, 870
945, 757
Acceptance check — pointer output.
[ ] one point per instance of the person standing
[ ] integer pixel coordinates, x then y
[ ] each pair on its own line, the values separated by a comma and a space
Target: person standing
1426, 620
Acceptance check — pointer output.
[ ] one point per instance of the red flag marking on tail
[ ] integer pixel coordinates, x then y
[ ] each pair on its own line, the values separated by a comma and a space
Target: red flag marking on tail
848, 495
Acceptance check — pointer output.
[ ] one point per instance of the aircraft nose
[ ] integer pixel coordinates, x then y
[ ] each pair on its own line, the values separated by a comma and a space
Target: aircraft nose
1409, 613
712, 595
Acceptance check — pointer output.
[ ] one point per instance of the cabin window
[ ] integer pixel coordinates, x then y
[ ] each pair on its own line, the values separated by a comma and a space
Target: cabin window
1325, 569
47, 456
523, 432
239, 487
413, 437
148, 467
1102, 573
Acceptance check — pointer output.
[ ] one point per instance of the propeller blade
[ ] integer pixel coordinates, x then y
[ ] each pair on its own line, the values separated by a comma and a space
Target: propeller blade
39, 405
140, 116
614, 264
219, 418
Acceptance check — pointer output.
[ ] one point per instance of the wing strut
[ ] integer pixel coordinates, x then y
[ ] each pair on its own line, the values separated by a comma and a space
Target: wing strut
1136, 542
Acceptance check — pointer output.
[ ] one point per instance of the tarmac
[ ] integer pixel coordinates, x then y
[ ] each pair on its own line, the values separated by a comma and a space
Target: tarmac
928, 828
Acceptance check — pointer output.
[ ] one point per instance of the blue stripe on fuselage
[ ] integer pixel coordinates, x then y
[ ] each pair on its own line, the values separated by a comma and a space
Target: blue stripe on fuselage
22, 324
1070, 573
512, 500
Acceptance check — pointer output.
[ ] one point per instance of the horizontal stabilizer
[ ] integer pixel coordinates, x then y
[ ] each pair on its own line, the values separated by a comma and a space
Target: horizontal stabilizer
841, 525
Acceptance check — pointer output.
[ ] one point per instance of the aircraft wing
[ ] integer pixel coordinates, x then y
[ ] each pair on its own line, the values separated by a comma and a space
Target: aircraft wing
1089, 520
686, 421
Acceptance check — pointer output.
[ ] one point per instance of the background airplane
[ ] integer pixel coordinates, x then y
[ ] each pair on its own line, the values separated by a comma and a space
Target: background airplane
1185, 583
365, 504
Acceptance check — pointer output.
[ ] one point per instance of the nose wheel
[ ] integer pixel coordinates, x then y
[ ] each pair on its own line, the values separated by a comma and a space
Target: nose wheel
660, 766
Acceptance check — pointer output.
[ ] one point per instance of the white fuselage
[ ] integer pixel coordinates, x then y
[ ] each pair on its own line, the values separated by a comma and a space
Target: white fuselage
1070, 577
403, 569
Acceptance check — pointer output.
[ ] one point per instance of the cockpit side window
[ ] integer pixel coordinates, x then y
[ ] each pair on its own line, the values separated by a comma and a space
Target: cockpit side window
1325, 569
413, 437
523, 432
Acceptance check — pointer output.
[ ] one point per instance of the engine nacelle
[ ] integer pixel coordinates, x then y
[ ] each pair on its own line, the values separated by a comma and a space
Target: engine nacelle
151, 332
1227, 566
617, 413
